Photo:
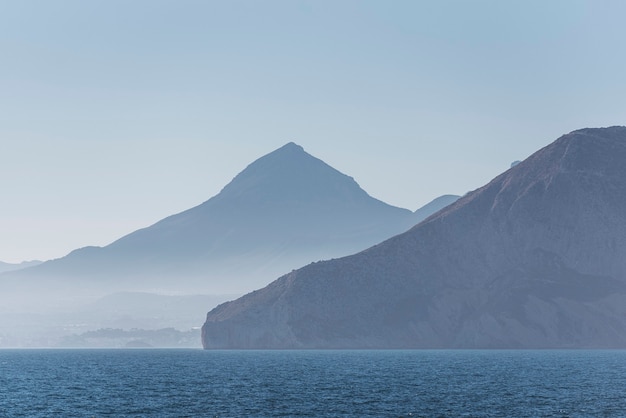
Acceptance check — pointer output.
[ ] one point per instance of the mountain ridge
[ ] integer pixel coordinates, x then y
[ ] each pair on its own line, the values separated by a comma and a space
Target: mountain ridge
283, 210
4, 267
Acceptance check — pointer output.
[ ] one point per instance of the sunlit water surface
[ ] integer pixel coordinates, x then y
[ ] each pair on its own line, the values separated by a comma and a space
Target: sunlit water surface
196, 383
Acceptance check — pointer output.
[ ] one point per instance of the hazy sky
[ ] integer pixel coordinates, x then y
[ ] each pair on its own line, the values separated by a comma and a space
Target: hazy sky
115, 114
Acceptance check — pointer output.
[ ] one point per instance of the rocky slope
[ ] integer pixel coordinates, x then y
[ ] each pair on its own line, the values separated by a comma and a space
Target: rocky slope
534, 259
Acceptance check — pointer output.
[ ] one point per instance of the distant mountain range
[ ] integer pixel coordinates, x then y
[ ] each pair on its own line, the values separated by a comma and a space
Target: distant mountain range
283, 211
534, 259
17, 266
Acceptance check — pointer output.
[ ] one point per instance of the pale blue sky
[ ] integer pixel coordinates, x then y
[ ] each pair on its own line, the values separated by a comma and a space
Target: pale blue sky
115, 114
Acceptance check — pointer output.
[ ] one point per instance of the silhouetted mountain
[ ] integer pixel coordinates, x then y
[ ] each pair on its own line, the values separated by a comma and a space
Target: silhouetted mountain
536, 258
283, 211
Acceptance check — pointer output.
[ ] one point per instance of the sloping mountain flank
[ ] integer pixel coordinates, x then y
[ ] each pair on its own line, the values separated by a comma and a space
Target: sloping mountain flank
534, 259
283, 211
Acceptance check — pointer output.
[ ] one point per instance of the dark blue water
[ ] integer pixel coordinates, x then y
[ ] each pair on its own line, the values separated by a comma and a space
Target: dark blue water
194, 383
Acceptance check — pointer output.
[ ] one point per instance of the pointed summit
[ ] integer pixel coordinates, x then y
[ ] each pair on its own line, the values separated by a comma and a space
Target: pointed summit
290, 172
290, 147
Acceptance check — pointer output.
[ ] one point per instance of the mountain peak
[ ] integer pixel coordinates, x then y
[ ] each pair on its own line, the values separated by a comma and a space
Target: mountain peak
610, 131
593, 151
290, 172
291, 146
287, 204
290, 150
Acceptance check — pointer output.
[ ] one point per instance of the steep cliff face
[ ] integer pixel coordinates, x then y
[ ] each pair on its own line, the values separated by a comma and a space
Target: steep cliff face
536, 258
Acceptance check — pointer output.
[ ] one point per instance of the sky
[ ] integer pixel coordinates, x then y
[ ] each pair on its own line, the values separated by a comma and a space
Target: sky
115, 114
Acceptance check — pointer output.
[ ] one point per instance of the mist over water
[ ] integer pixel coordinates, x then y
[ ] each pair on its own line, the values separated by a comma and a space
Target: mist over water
117, 320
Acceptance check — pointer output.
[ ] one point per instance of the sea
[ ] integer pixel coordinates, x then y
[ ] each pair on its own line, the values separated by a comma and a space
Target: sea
360, 383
